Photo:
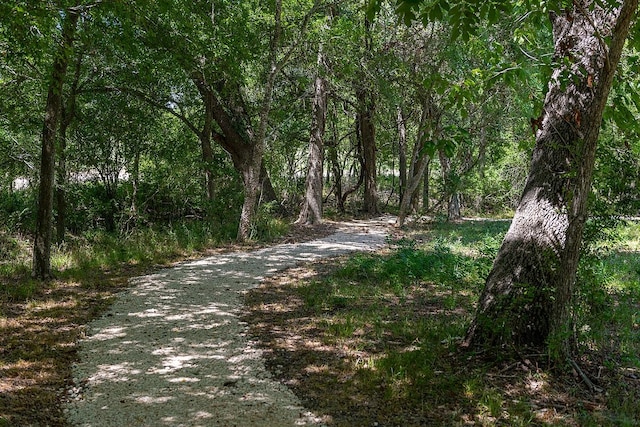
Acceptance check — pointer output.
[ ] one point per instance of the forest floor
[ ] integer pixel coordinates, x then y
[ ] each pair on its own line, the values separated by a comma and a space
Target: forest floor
298, 348
373, 339
167, 331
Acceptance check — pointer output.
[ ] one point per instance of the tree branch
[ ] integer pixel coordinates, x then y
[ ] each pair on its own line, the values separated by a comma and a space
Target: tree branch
148, 99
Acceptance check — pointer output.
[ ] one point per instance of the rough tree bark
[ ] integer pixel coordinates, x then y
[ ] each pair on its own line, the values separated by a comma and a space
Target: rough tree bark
252, 167
366, 110
366, 127
42, 238
311, 212
527, 294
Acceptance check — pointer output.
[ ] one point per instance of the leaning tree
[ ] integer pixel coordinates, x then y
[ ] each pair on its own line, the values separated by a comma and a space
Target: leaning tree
527, 294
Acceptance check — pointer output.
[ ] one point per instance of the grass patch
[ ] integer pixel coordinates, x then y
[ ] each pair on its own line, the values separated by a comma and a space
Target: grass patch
373, 338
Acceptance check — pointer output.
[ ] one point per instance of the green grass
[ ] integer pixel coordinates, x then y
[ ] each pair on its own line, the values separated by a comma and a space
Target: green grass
80, 257
399, 317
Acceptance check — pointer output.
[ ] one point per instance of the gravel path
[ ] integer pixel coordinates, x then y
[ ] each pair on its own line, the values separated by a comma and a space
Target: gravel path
172, 351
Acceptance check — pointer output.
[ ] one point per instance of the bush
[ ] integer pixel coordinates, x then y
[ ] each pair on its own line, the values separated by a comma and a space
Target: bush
17, 208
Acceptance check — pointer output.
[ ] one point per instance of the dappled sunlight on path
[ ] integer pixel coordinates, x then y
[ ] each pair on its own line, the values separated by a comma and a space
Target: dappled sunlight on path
173, 352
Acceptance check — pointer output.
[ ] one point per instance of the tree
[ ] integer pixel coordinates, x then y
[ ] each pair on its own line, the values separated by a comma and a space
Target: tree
237, 90
429, 128
311, 212
366, 101
42, 237
527, 294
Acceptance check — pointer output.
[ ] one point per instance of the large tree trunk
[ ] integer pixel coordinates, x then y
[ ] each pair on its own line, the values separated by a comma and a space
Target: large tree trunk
366, 110
251, 185
42, 238
527, 294
311, 212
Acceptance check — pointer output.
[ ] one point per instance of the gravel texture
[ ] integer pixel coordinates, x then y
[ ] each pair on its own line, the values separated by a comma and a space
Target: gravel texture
172, 351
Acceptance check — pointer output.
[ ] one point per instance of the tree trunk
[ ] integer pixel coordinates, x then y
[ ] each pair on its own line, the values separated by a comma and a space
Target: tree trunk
366, 110
336, 170
359, 160
402, 152
135, 184
68, 114
527, 294
111, 191
453, 211
414, 183
251, 185
252, 169
205, 144
419, 161
451, 192
42, 238
368, 139
425, 189
311, 212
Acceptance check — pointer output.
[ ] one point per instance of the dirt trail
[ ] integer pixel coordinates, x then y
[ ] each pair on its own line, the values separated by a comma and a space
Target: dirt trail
172, 351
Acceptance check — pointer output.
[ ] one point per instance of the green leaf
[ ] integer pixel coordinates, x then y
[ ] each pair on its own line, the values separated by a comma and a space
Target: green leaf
373, 7
494, 15
436, 13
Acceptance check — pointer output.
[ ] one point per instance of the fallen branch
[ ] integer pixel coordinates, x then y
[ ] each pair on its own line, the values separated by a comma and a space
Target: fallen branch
584, 377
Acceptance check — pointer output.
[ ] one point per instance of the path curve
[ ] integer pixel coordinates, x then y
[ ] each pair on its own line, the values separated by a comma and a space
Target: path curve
171, 351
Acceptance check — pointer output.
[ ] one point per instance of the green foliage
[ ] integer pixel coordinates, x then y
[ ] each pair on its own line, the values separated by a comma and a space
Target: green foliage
268, 225
17, 210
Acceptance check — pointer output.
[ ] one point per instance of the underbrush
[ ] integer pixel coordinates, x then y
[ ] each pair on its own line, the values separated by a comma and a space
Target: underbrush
375, 338
80, 257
